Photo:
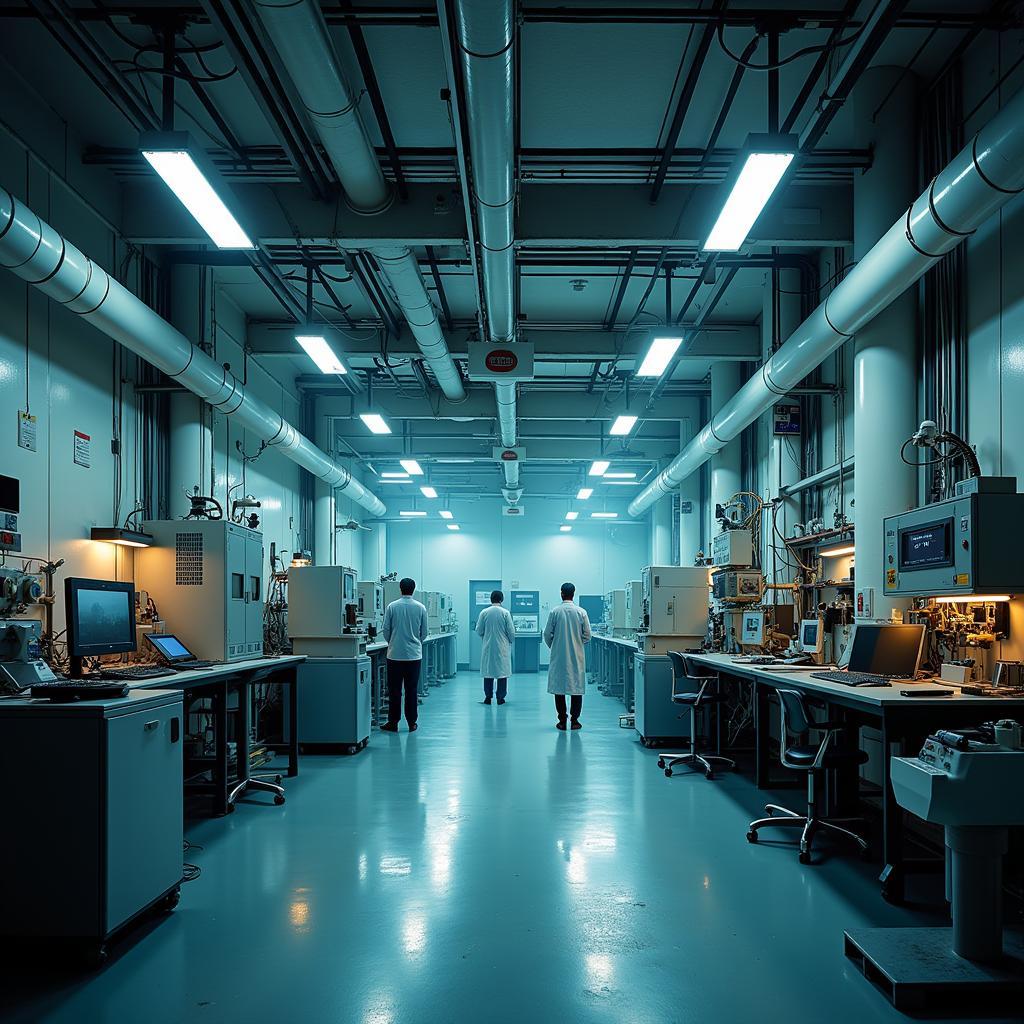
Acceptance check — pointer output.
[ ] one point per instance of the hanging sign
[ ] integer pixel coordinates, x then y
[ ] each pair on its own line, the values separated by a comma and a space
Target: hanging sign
507, 362
28, 431
508, 454
513, 510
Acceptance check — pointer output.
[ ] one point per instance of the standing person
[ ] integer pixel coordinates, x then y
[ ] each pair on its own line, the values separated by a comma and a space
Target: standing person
567, 630
498, 631
405, 629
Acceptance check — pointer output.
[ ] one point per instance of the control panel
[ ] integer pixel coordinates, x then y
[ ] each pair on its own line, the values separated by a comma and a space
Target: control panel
525, 609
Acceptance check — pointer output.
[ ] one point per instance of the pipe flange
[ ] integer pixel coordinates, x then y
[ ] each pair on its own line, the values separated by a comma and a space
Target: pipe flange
910, 239
988, 181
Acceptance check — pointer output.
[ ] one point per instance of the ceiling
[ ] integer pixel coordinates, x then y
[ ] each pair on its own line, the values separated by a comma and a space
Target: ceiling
604, 252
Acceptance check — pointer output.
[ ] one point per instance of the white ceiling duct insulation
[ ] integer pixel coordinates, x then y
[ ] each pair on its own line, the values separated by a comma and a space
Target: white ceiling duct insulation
34, 251
986, 174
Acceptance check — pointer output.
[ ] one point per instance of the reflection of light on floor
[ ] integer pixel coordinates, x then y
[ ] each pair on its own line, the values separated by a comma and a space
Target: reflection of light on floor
707, 882
414, 935
298, 915
378, 1015
395, 866
599, 842
599, 969
364, 867
577, 870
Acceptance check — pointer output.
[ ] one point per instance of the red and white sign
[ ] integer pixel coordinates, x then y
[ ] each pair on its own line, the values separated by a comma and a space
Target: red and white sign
501, 360
506, 362
508, 454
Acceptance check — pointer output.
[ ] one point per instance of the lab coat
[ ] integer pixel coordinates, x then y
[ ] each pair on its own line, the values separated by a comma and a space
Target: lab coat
567, 630
497, 630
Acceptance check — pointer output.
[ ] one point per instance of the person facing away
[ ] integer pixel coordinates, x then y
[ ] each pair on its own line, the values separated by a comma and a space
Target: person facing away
567, 630
405, 629
497, 630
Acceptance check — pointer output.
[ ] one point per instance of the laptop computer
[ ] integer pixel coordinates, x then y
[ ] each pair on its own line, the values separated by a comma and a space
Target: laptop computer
174, 653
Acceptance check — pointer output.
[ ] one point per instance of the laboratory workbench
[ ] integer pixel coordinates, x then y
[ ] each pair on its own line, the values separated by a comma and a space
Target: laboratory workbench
440, 663
904, 724
610, 664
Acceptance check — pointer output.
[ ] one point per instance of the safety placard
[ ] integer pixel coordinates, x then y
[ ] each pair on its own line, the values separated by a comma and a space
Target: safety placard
83, 449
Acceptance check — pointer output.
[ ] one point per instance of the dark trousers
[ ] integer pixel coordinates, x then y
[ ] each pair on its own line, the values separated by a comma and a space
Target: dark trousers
502, 688
575, 705
407, 674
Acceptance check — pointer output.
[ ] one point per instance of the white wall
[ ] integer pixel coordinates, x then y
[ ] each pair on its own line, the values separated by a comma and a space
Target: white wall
531, 550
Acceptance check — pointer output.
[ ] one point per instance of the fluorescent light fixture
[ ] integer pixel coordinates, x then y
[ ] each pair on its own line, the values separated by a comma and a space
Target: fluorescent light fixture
973, 598
411, 466
571, 516
375, 422
600, 467
453, 526
622, 483
395, 476
623, 425
565, 529
193, 180
659, 355
766, 161
620, 476
583, 493
446, 514
845, 549
125, 538
428, 492
604, 515
411, 515
319, 350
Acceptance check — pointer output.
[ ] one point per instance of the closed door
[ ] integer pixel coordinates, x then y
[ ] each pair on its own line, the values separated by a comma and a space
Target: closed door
479, 599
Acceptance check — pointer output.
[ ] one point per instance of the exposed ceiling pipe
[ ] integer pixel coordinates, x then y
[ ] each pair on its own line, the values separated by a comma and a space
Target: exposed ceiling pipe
985, 175
300, 36
39, 255
486, 34
824, 476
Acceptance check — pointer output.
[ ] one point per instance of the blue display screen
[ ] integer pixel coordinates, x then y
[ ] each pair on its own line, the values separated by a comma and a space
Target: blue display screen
923, 547
170, 647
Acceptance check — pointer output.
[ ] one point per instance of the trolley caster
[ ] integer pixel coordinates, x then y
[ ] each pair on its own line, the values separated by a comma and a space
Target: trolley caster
751, 836
661, 762
170, 901
668, 773
351, 749
805, 856
278, 800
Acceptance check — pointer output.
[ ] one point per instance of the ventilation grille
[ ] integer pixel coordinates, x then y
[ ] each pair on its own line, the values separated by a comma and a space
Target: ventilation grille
188, 559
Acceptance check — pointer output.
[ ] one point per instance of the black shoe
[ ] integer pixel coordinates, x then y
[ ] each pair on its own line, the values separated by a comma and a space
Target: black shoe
413, 727
487, 700
501, 700
576, 724
390, 727
560, 724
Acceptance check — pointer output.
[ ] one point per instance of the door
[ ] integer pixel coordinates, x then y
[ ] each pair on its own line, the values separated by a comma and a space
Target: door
254, 594
237, 592
479, 599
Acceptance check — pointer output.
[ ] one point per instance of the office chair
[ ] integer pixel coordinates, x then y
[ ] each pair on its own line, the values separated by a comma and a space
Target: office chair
829, 755
700, 692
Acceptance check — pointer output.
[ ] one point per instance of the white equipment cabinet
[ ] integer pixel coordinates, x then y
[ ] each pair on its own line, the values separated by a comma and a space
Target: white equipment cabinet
634, 605
371, 602
675, 600
206, 578
615, 611
317, 596
94, 820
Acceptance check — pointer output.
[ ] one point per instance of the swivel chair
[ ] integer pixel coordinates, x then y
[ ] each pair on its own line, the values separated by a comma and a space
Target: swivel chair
816, 761
700, 690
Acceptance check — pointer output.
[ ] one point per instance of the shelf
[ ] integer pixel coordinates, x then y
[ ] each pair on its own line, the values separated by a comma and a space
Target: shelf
847, 585
816, 538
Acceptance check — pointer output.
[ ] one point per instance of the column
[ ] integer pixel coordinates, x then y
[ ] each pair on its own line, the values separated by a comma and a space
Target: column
725, 466
661, 530
884, 370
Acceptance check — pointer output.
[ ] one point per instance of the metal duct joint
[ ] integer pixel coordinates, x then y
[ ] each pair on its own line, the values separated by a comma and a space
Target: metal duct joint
34, 251
300, 35
985, 175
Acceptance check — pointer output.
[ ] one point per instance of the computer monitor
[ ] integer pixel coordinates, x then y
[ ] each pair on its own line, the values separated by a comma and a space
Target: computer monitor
886, 649
100, 617
811, 639
169, 647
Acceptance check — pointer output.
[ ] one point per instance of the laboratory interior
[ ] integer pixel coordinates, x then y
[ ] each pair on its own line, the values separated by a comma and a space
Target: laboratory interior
511, 510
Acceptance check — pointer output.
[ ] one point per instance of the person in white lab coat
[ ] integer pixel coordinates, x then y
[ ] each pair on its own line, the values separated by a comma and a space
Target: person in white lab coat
567, 630
497, 630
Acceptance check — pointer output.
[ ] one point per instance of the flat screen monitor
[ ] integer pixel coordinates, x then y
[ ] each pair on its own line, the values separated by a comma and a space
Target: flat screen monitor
100, 618
886, 650
10, 494
169, 647
928, 546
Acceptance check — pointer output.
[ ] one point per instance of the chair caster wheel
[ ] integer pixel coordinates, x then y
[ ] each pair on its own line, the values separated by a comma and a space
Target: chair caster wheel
668, 773
351, 749
751, 836
661, 762
709, 775
170, 901
278, 800
805, 857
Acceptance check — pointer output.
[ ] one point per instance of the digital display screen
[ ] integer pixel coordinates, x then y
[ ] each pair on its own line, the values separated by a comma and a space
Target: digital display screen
10, 494
524, 601
886, 650
809, 635
923, 547
170, 647
105, 617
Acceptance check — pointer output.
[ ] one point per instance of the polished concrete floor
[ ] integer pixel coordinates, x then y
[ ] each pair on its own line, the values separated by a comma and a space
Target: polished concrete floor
489, 868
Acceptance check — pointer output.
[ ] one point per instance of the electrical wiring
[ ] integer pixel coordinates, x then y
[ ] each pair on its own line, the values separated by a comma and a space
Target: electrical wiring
796, 55
165, 72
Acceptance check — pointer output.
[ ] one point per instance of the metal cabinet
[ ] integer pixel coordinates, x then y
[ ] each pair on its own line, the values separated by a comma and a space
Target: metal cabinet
334, 699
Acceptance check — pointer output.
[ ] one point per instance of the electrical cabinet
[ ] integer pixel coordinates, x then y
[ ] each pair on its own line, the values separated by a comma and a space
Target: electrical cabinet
206, 578
634, 605
95, 819
615, 610
733, 547
657, 719
436, 610
317, 599
525, 609
737, 586
334, 696
675, 600
371, 602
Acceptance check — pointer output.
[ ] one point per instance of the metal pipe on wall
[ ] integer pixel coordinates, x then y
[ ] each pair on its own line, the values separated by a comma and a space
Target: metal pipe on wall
38, 254
983, 177
828, 474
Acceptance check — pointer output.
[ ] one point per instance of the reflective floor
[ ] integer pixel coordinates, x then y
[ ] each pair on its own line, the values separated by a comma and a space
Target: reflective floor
489, 868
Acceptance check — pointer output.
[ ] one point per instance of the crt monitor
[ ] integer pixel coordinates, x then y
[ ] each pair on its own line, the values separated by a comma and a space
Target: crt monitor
810, 636
100, 619
886, 649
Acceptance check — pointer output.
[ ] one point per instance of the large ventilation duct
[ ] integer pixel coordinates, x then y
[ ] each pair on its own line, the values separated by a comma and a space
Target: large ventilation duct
299, 33
486, 37
985, 175
35, 252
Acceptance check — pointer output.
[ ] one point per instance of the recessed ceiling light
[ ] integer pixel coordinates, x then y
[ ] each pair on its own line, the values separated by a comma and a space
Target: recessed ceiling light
604, 515
584, 492
412, 515
599, 467
571, 516
659, 355
375, 422
446, 514
395, 476
319, 350
428, 492
411, 466
453, 526
565, 529
623, 425
620, 476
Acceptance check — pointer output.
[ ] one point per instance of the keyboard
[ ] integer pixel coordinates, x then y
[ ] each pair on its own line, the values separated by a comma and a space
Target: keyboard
187, 666
133, 672
79, 689
856, 678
